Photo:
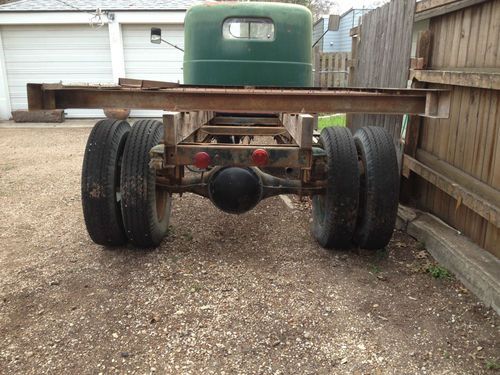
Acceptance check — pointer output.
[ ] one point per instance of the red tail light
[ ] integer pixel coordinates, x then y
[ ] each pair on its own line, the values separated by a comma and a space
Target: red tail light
260, 157
202, 160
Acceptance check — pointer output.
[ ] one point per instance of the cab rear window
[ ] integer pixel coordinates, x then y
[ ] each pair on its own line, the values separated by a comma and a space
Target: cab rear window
248, 28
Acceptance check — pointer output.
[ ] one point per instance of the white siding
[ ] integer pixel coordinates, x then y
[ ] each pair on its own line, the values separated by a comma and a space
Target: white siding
318, 30
158, 62
340, 40
54, 53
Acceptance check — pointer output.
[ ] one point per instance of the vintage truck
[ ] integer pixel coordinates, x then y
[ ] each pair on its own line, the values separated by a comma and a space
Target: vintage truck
241, 131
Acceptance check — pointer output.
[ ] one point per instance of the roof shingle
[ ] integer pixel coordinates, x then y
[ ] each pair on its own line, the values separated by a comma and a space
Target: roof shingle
92, 5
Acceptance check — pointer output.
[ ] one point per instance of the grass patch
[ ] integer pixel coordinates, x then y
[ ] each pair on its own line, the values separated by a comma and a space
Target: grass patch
438, 272
195, 288
420, 246
187, 235
375, 269
333, 120
381, 254
492, 364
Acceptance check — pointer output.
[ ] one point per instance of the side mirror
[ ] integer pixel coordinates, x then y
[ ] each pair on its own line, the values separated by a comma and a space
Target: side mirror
333, 22
155, 35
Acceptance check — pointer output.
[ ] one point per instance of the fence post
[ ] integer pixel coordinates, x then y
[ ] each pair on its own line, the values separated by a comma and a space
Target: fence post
316, 66
351, 66
414, 125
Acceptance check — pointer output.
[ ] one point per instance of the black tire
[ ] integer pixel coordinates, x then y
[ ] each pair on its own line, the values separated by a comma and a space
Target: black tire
101, 182
145, 209
379, 193
334, 213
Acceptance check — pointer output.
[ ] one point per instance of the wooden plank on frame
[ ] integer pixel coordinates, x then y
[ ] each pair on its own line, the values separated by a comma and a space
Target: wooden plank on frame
300, 128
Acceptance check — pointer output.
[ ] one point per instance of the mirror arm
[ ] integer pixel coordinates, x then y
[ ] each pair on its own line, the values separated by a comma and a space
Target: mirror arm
321, 37
172, 45
333, 25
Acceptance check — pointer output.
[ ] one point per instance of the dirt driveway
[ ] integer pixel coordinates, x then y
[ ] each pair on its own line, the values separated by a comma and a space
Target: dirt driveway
250, 294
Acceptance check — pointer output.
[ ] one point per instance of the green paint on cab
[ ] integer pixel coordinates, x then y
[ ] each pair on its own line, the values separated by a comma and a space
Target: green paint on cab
248, 44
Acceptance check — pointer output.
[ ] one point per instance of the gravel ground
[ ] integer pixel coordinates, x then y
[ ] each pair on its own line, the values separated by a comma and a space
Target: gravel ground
249, 294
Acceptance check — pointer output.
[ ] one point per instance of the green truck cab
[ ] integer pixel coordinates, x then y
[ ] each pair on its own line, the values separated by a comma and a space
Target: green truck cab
248, 44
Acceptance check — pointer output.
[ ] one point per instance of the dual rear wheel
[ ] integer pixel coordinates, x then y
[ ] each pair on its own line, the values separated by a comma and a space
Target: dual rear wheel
360, 204
121, 202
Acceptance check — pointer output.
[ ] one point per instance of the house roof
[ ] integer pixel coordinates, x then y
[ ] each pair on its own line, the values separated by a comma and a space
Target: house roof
92, 5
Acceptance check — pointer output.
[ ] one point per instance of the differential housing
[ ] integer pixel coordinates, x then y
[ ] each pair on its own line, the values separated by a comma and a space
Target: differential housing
235, 190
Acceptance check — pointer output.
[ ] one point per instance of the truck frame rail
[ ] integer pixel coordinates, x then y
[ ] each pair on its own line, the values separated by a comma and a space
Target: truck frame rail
140, 94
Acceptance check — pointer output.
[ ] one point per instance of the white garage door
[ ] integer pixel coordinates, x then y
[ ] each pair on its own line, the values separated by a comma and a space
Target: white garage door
54, 53
158, 62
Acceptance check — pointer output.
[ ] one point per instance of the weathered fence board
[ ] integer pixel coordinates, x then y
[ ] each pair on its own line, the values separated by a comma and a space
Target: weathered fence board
382, 58
466, 40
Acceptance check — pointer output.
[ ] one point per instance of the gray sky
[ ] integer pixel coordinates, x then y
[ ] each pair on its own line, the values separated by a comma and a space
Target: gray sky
344, 5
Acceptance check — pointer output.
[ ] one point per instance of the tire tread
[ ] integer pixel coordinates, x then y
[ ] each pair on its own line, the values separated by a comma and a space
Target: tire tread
381, 190
101, 214
341, 199
138, 186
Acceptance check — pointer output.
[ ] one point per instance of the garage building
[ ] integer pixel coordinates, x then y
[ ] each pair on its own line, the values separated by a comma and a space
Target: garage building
91, 41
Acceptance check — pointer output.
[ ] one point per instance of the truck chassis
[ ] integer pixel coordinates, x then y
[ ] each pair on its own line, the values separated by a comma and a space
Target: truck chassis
212, 145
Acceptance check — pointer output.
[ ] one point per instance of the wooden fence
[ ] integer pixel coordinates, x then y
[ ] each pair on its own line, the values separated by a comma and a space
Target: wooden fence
331, 69
452, 165
457, 160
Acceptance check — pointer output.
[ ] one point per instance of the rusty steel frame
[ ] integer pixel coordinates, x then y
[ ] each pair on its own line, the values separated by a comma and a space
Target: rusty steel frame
243, 130
202, 113
183, 129
286, 156
222, 154
188, 133
269, 120
425, 102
